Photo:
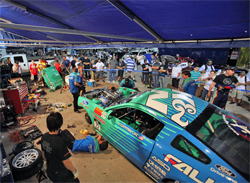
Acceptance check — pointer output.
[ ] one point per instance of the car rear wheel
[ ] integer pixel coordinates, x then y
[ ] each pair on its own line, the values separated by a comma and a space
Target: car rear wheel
87, 118
26, 163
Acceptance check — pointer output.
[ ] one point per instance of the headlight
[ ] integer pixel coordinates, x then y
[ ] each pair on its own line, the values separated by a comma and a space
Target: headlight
5, 168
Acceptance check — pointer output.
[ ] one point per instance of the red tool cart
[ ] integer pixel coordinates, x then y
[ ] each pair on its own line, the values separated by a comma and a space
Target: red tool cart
17, 95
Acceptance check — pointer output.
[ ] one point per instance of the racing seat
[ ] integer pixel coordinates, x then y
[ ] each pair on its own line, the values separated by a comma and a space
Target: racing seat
153, 132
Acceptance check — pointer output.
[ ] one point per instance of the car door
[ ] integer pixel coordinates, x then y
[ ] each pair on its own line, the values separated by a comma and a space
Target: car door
126, 137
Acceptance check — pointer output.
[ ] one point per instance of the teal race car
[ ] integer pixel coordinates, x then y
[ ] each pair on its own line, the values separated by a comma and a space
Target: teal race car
171, 135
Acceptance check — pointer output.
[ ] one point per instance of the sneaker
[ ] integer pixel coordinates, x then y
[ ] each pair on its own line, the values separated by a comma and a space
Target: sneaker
238, 104
113, 81
108, 81
77, 111
232, 103
35, 84
103, 80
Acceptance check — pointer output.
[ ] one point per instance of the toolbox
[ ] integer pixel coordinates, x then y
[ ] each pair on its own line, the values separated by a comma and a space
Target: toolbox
31, 133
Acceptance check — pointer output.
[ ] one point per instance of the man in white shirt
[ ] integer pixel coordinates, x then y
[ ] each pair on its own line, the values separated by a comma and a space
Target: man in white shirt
207, 68
241, 85
176, 73
99, 69
208, 81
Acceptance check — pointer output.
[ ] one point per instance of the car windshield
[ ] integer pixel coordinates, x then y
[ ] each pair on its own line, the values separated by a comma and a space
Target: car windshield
227, 135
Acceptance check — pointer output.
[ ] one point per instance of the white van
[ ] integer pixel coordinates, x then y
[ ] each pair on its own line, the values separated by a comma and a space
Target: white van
24, 62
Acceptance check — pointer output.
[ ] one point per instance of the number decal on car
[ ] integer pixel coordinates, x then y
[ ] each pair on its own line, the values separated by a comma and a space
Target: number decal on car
182, 102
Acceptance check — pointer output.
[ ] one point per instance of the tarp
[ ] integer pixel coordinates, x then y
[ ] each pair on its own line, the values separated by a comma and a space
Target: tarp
52, 78
155, 21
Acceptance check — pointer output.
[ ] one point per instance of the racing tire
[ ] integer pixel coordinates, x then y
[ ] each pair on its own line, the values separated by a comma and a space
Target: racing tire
26, 163
87, 118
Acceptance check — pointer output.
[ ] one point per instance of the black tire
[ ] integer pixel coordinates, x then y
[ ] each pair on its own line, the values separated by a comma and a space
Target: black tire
87, 118
21, 171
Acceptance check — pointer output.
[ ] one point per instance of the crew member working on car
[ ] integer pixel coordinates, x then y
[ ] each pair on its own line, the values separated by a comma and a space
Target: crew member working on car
74, 88
55, 152
127, 82
90, 143
223, 83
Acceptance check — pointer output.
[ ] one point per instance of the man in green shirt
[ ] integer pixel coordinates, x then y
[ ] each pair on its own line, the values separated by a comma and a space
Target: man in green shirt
188, 84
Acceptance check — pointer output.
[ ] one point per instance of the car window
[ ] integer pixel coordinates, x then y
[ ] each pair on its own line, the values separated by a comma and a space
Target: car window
226, 135
185, 146
19, 59
140, 121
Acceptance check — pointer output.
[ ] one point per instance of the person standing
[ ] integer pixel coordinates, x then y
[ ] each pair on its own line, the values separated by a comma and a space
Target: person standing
130, 67
73, 62
55, 152
93, 69
86, 63
58, 66
208, 81
79, 81
121, 65
189, 67
66, 65
176, 72
33, 71
40, 66
112, 69
243, 82
74, 88
145, 68
207, 68
163, 72
17, 70
196, 75
10, 65
155, 70
188, 85
99, 70
223, 83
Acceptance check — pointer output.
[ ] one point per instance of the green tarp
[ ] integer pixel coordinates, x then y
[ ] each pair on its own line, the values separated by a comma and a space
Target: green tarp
52, 78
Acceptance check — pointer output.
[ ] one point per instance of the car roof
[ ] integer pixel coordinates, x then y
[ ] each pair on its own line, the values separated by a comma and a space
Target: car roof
180, 107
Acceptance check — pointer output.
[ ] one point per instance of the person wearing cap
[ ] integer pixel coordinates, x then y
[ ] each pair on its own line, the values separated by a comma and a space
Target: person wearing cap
223, 83
207, 68
196, 75
155, 70
243, 82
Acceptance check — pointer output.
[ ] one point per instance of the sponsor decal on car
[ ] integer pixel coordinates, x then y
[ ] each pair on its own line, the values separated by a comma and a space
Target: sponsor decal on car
222, 175
131, 131
98, 118
225, 170
98, 111
85, 102
185, 168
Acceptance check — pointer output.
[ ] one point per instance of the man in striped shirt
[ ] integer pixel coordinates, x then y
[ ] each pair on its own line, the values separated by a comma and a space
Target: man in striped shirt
130, 67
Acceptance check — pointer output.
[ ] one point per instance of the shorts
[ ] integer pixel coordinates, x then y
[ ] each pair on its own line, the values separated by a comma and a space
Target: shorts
175, 82
219, 98
238, 93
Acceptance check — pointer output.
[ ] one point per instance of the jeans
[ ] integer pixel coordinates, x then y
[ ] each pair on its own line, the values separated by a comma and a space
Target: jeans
146, 78
87, 74
156, 80
75, 96
162, 81
98, 73
112, 72
204, 94
120, 74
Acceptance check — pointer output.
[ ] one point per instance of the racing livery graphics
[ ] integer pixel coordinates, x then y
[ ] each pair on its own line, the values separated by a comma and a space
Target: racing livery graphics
171, 135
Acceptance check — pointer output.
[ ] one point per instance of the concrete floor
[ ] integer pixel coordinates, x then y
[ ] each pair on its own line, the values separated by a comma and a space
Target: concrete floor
106, 166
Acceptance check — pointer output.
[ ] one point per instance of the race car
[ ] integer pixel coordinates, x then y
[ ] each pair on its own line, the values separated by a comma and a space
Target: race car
171, 135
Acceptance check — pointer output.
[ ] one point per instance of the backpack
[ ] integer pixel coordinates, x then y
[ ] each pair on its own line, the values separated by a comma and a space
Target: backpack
206, 68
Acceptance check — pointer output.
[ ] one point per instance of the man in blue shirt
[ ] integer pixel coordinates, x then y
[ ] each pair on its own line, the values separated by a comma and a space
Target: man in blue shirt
74, 88
79, 80
66, 64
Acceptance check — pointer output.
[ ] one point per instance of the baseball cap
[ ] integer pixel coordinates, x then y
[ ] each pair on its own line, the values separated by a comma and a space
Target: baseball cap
210, 60
231, 68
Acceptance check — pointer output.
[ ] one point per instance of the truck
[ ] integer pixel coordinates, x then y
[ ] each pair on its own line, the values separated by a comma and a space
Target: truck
24, 61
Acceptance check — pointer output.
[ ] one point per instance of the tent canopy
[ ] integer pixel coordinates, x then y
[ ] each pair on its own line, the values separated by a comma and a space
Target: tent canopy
112, 23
